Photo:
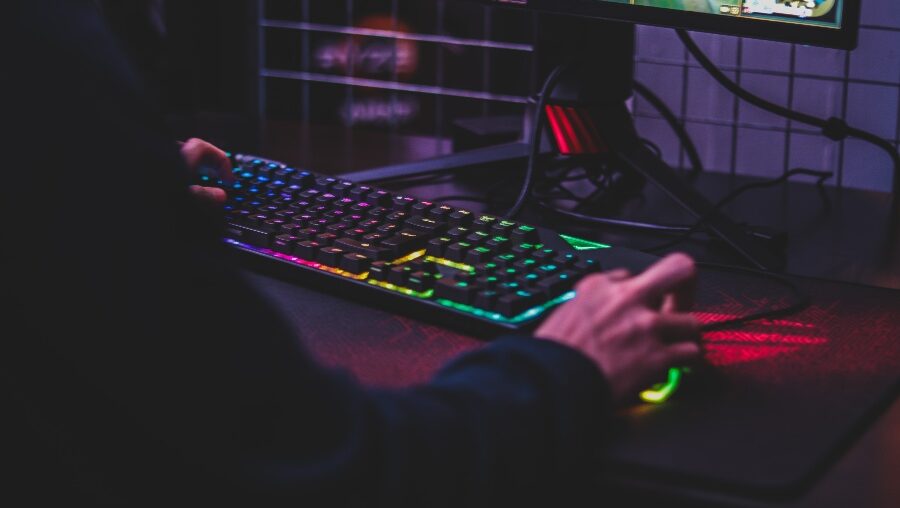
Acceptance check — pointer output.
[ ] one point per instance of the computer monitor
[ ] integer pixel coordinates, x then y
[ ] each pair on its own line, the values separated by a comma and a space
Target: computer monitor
593, 41
831, 23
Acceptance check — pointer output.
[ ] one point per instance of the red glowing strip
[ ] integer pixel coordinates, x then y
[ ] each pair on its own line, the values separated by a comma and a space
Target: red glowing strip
570, 131
762, 338
792, 324
557, 130
594, 133
715, 317
584, 133
721, 354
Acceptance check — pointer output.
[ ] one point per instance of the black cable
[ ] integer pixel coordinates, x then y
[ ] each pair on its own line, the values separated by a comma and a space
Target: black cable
801, 299
689, 147
833, 128
657, 151
683, 231
731, 196
537, 130
646, 226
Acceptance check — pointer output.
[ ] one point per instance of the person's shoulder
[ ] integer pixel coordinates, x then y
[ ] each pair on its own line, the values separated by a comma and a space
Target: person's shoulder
65, 47
59, 30
50, 20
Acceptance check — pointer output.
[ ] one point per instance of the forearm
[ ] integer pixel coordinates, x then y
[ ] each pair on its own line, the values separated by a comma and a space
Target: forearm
517, 420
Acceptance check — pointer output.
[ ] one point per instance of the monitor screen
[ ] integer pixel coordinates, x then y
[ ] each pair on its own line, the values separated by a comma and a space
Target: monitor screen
831, 23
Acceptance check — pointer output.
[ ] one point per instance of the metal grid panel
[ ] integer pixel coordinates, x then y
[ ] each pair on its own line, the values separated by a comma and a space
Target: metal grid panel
415, 66
862, 86
405, 65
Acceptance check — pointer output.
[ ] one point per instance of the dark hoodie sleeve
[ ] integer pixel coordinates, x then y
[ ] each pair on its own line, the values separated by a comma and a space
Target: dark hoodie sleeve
145, 369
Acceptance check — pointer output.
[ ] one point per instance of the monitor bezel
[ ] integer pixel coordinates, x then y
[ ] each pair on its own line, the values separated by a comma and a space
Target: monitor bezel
839, 38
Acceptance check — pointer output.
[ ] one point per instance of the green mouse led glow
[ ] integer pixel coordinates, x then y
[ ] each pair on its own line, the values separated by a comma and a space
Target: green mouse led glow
662, 391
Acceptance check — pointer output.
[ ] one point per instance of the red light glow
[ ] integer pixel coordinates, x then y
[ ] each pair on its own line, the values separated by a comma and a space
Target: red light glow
574, 131
765, 339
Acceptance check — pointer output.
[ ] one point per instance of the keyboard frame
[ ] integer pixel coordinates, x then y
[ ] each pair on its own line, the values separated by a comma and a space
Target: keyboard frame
476, 322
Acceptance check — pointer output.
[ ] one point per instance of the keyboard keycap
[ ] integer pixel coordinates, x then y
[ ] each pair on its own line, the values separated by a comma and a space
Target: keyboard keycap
405, 242
398, 275
302, 178
478, 238
586, 266
478, 255
565, 259
515, 303
426, 225
505, 260
324, 183
440, 212
456, 291
307, 249
359, 192
326, 238
557, 284
272, 225
355, 263
544, 254
285, 243
438, 246
502, 228
367, 249
457, 251
331, 256
379, 270
421, 208
420, 281
402, 203
341, 189
460, 218
486, 299
484, 223
459, 233
498, 244
379, 197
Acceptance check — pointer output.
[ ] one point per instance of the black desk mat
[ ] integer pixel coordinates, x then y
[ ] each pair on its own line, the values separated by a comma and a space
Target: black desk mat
786, 397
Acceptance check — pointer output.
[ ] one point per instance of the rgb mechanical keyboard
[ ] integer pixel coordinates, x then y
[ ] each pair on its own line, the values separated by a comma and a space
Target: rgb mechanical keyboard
469, 270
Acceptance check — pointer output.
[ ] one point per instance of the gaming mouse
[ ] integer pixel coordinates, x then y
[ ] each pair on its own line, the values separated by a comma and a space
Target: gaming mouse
681, 382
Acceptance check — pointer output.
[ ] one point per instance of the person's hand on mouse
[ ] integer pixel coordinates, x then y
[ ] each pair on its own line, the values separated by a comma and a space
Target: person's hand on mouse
203, 156
633, 328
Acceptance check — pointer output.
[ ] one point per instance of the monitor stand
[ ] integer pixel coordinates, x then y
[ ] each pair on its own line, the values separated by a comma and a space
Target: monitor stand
590, 103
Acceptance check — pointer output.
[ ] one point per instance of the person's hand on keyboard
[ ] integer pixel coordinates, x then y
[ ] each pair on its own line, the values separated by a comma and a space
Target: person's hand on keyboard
633, 328
204, 159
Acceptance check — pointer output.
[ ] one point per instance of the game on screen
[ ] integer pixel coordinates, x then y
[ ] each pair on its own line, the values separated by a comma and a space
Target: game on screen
812, 12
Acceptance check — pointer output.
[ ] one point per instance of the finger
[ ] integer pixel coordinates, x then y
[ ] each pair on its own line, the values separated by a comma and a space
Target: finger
193, 150
210, 194
668, 304
619, 274
594, 282
673, 328
199, 154
683, 354
679, 302
675, 274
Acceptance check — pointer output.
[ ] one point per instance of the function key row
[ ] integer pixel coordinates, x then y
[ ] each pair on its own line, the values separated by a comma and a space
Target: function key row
328, 191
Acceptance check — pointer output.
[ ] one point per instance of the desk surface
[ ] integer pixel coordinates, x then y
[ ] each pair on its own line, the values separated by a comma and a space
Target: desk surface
845, 241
